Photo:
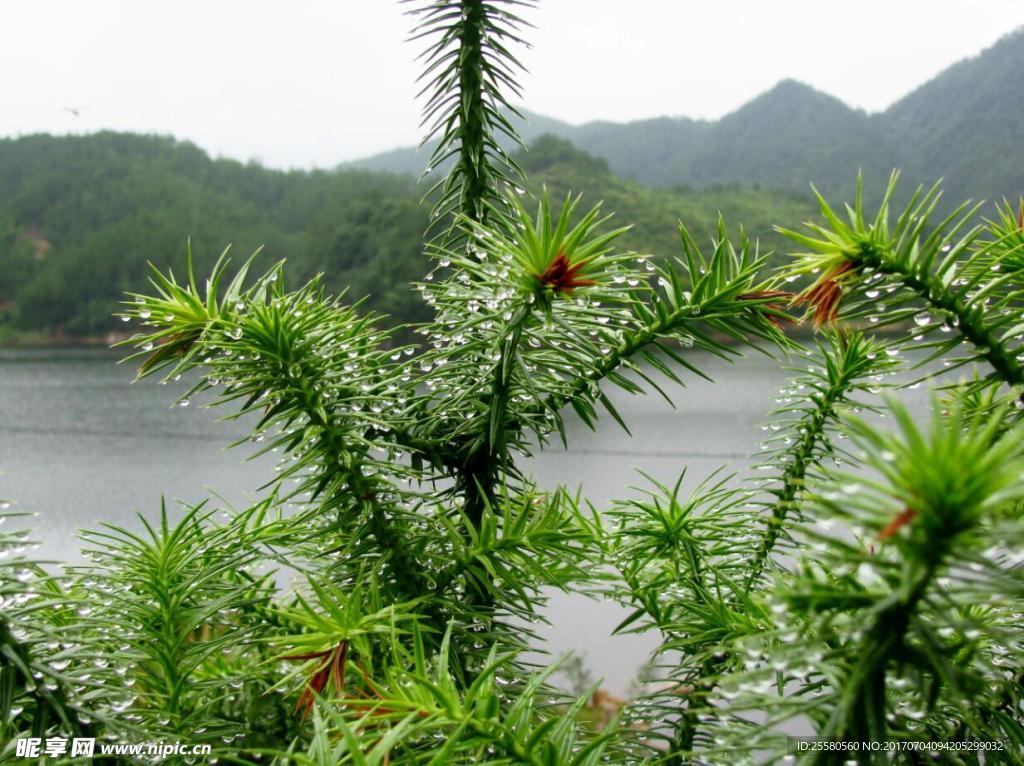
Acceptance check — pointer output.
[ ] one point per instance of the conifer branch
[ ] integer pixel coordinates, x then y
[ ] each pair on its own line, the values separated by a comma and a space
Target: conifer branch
848, 359
884, 615
700, 301
947, 265
34, 695
469, 74
279, 354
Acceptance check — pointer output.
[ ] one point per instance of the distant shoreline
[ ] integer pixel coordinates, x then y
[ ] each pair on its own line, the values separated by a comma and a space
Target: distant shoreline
39, 339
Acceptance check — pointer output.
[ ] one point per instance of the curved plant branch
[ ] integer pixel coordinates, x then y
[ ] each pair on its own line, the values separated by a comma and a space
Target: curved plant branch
947, 265
689, 563
280, 355
704, 301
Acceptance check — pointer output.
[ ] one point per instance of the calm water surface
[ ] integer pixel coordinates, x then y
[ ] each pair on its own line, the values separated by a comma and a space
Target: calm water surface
80, 444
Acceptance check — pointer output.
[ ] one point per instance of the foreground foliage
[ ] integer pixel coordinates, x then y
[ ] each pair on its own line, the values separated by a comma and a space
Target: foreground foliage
863, 583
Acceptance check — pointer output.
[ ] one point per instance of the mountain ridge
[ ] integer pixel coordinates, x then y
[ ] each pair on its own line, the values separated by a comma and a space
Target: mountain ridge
963, 125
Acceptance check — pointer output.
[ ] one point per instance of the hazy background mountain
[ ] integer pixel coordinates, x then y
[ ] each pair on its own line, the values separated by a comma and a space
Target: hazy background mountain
966, 125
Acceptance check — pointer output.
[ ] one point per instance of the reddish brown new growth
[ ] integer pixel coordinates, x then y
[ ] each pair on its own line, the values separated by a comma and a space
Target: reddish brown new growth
172, 346
561, 274
825, 295
894, 526
332, 668
1020, 216
775, 319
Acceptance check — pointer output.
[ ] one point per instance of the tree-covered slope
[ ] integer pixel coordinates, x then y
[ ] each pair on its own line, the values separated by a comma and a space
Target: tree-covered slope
967, 124
81, 216
787, 138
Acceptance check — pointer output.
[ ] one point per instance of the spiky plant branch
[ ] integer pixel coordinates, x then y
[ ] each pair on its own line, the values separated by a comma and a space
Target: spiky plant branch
884, 615
849, 360
417, 712
553, 257
309, 367
974, 472
468, 72
696, 299
713, 590
483, 468
36, 697
177, 592
946, 264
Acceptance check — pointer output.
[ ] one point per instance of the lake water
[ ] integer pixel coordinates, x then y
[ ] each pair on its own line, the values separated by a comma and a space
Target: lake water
80, 444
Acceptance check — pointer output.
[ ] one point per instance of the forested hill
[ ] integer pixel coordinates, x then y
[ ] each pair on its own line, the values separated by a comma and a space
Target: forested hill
81, 216
966, 125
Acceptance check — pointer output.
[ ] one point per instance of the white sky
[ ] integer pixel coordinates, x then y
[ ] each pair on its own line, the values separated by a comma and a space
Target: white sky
300, 83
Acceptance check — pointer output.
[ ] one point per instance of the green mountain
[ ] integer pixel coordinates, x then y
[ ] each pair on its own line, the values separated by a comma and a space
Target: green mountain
80, 217
966, 126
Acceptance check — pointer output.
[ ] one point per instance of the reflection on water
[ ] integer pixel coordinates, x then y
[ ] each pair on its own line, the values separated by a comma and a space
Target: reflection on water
81, 445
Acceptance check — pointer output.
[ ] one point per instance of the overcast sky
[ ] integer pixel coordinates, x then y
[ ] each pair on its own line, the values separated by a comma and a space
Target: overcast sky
301, 83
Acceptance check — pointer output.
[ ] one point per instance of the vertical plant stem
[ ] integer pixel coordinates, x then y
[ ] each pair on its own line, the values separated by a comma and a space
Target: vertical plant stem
482, 469
802, 456
472, 148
